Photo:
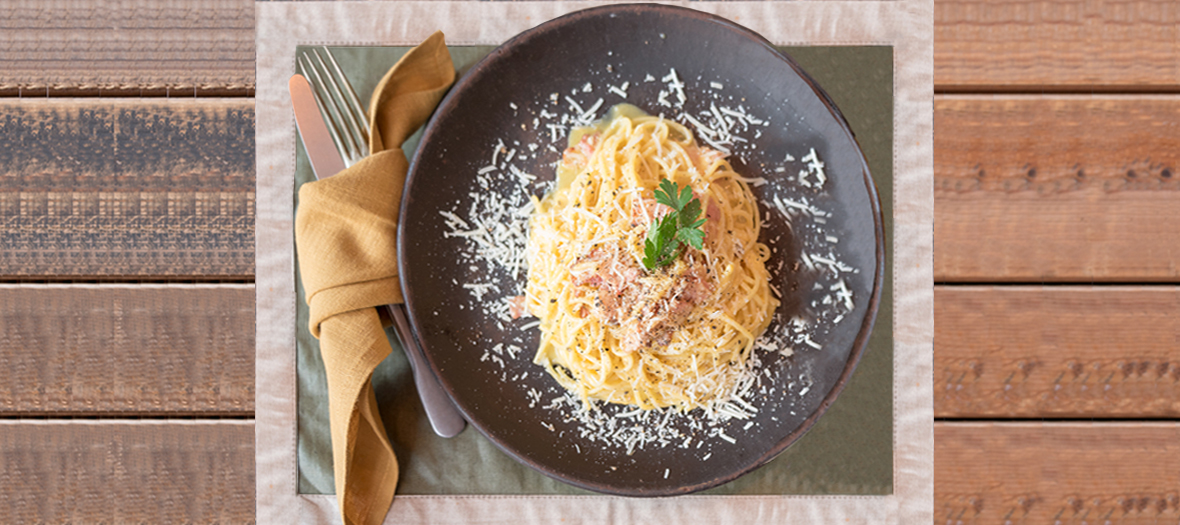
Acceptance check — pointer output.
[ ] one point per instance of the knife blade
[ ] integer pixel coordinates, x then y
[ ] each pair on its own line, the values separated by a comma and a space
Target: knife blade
321, 151
326, 161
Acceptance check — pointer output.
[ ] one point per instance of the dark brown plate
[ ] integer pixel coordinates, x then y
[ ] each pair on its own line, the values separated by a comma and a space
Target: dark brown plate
497, 101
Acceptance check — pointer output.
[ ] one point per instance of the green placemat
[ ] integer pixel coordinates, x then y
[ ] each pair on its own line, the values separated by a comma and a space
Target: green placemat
848, 451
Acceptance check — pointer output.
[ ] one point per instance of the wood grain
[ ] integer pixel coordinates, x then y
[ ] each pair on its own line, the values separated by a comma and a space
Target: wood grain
127, 472
127, 349
136, 188
133, 47
1076, 352
1063, 473
1056, 45
1057, 188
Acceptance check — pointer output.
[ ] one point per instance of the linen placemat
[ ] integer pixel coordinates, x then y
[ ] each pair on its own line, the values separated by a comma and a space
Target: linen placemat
848, 452
904, 25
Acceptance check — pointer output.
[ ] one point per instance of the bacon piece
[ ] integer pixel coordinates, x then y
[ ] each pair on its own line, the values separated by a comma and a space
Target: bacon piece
578, 155
644, 309
659, 315
516, 307
611, 275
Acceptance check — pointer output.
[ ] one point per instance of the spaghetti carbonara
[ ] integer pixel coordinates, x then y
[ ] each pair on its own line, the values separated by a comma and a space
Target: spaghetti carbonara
612, 330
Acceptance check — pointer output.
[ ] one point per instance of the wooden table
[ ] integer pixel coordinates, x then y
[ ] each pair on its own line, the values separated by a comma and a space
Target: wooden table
1056, 250
126, 195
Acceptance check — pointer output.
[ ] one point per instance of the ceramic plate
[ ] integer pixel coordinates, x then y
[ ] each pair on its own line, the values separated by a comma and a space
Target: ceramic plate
495, 140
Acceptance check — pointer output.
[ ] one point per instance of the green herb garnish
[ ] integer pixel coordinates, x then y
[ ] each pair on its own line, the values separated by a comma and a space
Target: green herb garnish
663, 243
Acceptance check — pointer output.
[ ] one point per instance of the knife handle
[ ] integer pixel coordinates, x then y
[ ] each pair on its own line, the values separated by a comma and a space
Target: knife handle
440, 410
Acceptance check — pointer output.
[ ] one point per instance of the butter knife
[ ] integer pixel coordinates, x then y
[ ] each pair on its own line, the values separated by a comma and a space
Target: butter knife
326, 161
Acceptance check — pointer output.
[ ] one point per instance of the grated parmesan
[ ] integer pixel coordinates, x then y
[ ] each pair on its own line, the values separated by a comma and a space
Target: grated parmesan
493, 226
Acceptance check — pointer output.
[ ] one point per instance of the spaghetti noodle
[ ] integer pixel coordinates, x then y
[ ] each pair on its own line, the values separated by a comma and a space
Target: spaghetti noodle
677, 336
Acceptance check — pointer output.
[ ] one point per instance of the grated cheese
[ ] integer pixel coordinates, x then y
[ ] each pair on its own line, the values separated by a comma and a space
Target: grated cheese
675, 85
493, 226
620, 90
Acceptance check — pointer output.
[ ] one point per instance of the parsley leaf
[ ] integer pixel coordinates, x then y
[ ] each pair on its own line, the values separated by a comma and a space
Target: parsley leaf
692, 236
662, 245
666, 194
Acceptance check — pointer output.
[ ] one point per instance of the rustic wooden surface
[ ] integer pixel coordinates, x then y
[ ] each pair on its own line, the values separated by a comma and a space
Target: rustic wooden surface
111, 210
131, 471
1077, 46
1057, 188
1056, 473
126, 188
1057, 149
118, 349
1057, 351
1036, 180
129, 48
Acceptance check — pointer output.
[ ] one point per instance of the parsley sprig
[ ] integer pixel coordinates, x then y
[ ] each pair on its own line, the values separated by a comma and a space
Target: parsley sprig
663, 243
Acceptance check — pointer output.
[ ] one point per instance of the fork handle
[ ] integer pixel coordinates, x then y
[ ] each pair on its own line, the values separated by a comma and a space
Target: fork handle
443, 415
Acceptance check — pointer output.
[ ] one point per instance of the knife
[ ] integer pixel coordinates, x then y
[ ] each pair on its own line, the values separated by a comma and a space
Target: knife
326, 161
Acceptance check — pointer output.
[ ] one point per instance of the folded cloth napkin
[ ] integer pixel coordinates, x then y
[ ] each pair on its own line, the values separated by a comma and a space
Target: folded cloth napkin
345, 235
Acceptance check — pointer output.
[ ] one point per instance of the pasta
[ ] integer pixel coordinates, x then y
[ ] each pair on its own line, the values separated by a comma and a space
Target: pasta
614, 331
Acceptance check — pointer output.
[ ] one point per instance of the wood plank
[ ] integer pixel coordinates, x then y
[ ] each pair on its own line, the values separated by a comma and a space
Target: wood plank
1056, 188
1056, 45
1063, 473
127, 471
135, 188
1040, 352
64, 47
127, 349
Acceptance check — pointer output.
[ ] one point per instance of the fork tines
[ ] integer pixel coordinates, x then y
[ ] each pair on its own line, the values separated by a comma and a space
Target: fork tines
338, 102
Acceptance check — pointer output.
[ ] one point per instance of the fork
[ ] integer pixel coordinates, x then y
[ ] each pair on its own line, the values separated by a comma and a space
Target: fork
349, 129
343, 113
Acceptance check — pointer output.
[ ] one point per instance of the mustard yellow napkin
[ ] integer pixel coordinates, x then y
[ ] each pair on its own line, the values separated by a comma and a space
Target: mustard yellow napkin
345, 232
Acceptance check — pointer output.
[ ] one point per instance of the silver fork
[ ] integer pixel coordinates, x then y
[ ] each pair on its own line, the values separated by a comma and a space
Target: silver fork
338, 103
349, 129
